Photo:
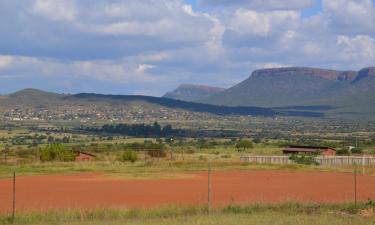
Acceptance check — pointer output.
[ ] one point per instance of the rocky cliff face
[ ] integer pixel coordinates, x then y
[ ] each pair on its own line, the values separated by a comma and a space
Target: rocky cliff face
306, 71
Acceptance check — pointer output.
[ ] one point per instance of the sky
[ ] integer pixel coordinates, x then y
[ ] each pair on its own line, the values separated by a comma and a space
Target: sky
149, 47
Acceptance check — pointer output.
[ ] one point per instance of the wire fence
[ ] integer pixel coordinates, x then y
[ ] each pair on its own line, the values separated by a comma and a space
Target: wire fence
322, 160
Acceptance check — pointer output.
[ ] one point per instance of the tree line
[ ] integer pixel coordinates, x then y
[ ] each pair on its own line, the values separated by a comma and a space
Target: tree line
137, 130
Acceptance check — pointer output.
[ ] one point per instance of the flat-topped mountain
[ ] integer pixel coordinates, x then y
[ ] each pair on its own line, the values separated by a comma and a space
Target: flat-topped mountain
192, 92
346, 91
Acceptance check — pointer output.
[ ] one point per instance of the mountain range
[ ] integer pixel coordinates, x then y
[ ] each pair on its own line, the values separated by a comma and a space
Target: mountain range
293, 91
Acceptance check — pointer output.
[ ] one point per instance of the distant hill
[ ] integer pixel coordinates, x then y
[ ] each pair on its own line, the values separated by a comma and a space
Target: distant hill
191, 92
342, 92
174, 104
29, 97
31, 104
32, 99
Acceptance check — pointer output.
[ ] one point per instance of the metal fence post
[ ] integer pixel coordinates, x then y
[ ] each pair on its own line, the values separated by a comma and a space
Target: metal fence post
14, 198
355, 184
209, 189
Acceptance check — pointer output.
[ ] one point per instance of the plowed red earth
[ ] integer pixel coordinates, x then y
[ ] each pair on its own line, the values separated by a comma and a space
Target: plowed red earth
240, 187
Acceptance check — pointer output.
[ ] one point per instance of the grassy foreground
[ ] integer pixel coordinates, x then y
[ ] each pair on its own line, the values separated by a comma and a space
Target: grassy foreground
286, 213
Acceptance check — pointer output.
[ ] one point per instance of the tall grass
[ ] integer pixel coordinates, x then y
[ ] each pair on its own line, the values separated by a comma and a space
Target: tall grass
285, 213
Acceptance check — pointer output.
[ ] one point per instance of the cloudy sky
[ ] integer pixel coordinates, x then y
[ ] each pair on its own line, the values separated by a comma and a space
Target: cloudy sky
151, 46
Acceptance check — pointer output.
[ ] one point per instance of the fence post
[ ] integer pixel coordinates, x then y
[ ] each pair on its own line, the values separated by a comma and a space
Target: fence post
363, 165
14, 198
209, 189
355, 184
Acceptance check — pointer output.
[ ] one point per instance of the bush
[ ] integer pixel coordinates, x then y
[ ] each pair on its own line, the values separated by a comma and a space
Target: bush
131, 156
56, 152
304, 159
357, 151
343, 152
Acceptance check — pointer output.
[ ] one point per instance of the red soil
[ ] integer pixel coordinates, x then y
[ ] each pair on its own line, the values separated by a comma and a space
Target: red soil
96, 190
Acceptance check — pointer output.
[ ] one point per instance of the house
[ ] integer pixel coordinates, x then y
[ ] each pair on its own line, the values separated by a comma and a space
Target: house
84, 156
326, 151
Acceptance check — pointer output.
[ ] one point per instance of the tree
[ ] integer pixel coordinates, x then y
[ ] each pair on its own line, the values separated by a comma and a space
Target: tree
244, 145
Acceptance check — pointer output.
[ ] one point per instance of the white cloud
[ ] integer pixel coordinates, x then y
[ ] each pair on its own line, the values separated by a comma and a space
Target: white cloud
262, 4
249, 22
142, 68
55, 10
120, 71
273, 65
358, 48
5, 61
345, 16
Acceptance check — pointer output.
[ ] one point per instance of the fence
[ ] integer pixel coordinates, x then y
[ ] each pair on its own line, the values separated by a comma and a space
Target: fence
322, 160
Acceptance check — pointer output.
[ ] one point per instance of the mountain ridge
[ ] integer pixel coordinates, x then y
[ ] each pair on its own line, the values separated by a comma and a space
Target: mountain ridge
323, 73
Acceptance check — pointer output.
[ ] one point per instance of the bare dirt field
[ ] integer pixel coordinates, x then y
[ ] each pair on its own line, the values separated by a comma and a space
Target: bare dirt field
239, 187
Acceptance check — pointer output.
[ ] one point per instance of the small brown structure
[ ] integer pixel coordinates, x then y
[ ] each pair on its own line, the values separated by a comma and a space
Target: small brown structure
84, 156
326, 151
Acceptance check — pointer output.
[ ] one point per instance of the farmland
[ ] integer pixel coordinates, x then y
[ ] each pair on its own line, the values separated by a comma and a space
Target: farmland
157, 179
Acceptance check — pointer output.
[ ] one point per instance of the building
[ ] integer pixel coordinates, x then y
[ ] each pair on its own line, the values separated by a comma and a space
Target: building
326, 151
84, 156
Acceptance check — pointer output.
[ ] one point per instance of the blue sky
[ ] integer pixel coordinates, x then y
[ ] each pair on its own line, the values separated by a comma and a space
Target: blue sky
150, 46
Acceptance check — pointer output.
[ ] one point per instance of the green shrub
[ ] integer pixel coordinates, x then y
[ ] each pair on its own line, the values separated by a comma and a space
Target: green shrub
357, 151
56, 152
131, 156
304, 159
343, 152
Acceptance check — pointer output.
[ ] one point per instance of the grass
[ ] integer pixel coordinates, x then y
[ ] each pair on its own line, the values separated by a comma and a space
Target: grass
275, 214
140, 169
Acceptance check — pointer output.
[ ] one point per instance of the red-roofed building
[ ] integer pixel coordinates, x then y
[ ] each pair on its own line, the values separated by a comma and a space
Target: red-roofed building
326, 151
84, 156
